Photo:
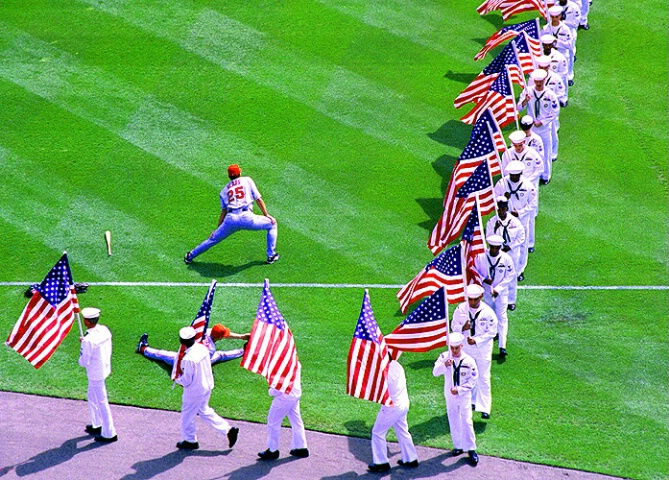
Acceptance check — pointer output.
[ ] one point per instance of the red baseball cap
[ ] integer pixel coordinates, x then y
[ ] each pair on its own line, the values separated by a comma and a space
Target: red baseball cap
234, 170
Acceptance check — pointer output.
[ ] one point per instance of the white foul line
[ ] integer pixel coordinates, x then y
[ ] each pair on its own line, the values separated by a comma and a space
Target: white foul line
341, 285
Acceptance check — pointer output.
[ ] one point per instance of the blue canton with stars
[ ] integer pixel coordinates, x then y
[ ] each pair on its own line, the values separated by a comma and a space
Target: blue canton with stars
506, 57
56, 285
205, 308
502, 84
479, 180
268, 312
472, 224
367, 328
521, 44
480, 143
431, 309
449, 263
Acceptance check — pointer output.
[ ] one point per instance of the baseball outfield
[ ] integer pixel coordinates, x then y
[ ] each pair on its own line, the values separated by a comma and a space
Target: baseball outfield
122, 115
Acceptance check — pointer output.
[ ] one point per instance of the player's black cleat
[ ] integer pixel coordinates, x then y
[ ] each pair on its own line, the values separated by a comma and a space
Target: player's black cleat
143, 342
188, 259
273, 258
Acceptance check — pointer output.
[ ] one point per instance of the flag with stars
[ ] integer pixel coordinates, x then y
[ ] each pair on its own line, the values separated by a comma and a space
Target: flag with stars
461, 197
48, 317
271, 350
531, 27
200, 324
426, 328
472, 244
367, 367
487, 122
499, 99
443, 271
505, 62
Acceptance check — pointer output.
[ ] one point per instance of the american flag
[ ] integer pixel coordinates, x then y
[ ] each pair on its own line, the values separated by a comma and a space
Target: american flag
48, 317
513, 7
367, 372
471, 175
200, 325
443, 271
499, 99
525, 53
531, 27
473, 244
425, 329
485, 127
271, 350
505, 63
488, 6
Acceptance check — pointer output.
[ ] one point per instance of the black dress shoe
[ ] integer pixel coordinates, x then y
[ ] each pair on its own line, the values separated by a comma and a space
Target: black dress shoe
570, 83
93, 430
411, 464
299, 452
502, 352
101, 439
457, 451
186, 445
473, 457
485, 416
269, 455
233, 433
496, 337
511, 306
378, 467
521, 277
530, 250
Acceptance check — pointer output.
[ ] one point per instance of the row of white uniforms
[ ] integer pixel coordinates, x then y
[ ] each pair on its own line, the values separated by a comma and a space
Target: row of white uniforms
198, 382
500, 271
95, 356
286, 405
394, 416
482, 328
463, 374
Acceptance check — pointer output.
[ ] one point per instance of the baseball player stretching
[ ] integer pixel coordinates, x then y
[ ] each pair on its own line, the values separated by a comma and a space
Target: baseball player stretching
237, 199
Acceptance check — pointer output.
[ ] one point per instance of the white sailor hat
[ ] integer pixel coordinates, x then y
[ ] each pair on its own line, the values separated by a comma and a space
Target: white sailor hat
548, 39
455, 339
555, 11
544, 61
495, 240
527, 121
187, 333
539, 74
514, 166
90, 313
517, 137
501, 199
473, 291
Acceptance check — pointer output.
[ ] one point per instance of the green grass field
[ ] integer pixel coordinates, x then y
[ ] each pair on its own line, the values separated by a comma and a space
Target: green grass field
122, 115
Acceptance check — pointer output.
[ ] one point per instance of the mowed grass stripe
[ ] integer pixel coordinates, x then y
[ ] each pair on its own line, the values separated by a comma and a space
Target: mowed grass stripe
195, 146
333, 91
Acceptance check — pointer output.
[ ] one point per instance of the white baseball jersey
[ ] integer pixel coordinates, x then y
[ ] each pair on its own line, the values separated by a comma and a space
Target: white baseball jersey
534, 163
239, 193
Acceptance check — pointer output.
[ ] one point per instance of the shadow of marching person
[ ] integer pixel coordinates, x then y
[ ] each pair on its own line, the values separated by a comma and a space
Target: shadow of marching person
257, 470
55, 456
431, 468
150, 468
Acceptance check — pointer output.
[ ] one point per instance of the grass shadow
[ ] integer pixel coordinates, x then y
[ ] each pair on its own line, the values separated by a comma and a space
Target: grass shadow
421, 364
460, 77
495, 19
453, 133
217, 270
